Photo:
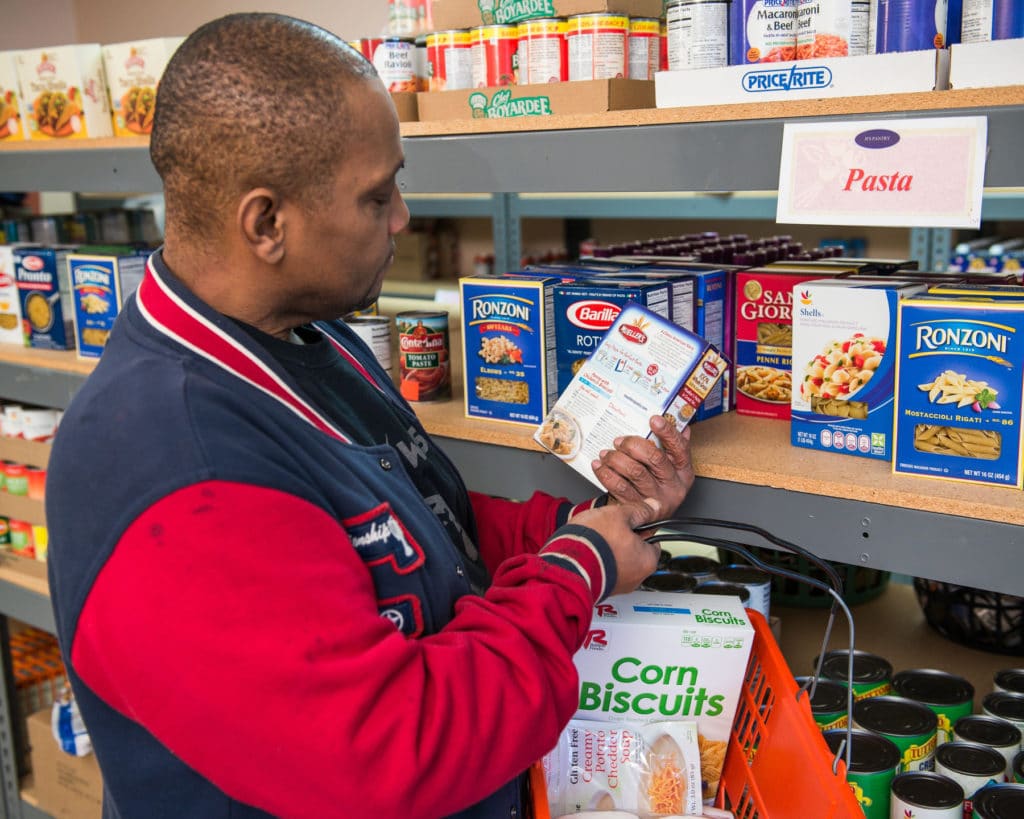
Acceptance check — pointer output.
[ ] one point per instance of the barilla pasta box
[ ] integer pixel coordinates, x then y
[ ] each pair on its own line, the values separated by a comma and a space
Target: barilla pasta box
645, 365
11, 329
762, 357
959, 389
683, 299
64, 92
654, 656
586, 309
46, 308
133, 72
508, 343
11, 124
98, 284
844, 363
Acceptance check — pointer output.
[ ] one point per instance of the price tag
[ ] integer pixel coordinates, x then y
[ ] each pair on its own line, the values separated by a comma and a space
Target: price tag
891, 173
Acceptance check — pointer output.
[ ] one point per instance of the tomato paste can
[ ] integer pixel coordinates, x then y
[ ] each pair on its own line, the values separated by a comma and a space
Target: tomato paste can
997, 733
644, 48
598, 46
948, 695
395, 61
874, 763
423, 352
872, 675
837, 29
762, 31
908, 25
375, 331
1009, 679
911, 725
828, 705
449, 60
999, 802
985, 20
971, 766
924, 795
543, 52
492, 53
758, 582
698, 34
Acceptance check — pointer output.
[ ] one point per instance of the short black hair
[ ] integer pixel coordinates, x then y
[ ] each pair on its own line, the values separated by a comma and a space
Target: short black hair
251, 100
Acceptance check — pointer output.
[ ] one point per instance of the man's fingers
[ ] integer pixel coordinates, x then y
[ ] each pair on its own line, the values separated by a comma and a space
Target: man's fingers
643, 512
673, 443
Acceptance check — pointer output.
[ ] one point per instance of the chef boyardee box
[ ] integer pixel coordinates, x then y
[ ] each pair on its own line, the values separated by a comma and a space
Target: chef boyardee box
97, 295
585, 310
959, 389
508, 337
653, 656
844, 361
42, 277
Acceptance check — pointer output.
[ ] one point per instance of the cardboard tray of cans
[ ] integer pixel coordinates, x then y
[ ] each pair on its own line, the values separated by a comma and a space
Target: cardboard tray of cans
451, 14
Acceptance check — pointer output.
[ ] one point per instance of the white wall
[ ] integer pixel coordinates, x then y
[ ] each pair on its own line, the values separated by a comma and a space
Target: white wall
26, 23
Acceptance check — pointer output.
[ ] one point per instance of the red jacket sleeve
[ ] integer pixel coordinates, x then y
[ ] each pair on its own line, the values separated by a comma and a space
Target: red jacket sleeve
238, 625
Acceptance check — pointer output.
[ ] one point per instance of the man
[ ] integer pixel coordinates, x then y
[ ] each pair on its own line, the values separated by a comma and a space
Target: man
265, 608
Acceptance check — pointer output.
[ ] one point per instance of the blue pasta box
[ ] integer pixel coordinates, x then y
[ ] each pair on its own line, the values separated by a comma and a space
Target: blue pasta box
508, 335
844, 364
41, 274
585, 310
959, 395
645, 365
99, 285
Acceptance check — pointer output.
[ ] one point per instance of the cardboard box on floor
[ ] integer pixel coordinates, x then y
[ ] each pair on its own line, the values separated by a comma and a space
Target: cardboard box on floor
67, 787
579, 97
469, 13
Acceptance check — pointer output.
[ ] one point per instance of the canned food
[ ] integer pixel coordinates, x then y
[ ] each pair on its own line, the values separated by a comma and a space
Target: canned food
663, 47
5, 533
925, 795
997, 733
664, 580
724, 589
999, 802
492, 55
762, 31
644, 48
874, 763
1005, 705
909, 25
837, 29
420, 65
758, 582
985, 20
449, 61
697, 566
543, 52
871, 673
1017, 768
36, 482
367, 46
375, 331
971, 766
424, 363
394, 60
1009, 679
597, 46
21, 537
828, 705
698, 34
909, 724
15, 478
949, 696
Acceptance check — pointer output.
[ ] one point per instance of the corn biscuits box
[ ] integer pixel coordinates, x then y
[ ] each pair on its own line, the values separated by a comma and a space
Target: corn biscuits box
959, 395
133, 72
99, 285
11, 124
844, 362
654, 656
42, 277
64, 91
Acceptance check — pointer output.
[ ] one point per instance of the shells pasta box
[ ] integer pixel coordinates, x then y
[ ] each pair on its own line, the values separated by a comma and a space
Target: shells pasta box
64, 92
133, 72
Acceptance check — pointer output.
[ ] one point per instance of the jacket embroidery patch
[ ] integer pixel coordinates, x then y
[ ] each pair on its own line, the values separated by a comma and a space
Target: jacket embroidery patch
405, 612
381, 539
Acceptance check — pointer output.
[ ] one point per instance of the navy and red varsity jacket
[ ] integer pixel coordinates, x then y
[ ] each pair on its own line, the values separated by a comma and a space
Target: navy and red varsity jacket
260, 616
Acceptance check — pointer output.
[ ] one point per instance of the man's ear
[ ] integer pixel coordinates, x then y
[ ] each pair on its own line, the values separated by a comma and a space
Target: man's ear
261, 224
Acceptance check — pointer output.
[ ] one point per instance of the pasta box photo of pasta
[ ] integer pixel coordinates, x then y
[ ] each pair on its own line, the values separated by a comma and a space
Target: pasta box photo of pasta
645, 365
844, 362
42, 277
508, 347
959, 389
97, 295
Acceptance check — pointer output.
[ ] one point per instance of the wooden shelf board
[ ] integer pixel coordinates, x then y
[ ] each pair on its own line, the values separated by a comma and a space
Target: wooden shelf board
58, 360
33, 453
21, 507
10, 574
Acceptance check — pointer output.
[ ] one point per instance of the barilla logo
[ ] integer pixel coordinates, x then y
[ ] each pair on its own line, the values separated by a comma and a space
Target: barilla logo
32, 263
92, 275
134, 60
512, 11
634, 332
510, 309
502, 106
877, 138
972, 337
45, 66
593, 315
797, 78
596, 640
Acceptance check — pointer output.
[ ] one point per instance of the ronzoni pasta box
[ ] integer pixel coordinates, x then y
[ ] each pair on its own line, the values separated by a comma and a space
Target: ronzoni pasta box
98, 283
656, 656
959, 388
133, 73
645, 365
11, 126
64, 92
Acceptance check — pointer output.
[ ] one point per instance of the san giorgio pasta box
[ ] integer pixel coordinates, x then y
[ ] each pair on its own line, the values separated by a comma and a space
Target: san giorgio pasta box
959, 395
844, 361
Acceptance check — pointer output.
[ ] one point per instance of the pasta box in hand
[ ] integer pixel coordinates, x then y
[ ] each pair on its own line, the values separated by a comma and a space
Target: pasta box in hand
959, 395
844, 353
42, 277
645, 365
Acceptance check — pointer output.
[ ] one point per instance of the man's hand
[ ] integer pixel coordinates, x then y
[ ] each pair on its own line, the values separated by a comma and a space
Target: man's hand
635, 558
638, 469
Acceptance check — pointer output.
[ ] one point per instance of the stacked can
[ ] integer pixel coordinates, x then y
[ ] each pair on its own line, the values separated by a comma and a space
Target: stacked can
598, 46
1003, 736
492, 54
644, 48
375, 331
985, 20
828, 705
874, 763
872, 675
367, 46
971, 766
698, 34
543, 52
949, 696
449, 60
837, 29
926, 795
909, 724
907, 25
395, 61
762, 31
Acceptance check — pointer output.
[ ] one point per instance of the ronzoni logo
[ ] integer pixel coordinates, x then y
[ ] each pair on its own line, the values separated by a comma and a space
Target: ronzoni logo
503, 106
489, 308
797, 78
593, 315
92, 275
963, 337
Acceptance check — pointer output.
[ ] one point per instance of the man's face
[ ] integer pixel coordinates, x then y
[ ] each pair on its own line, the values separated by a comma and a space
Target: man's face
337, 253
